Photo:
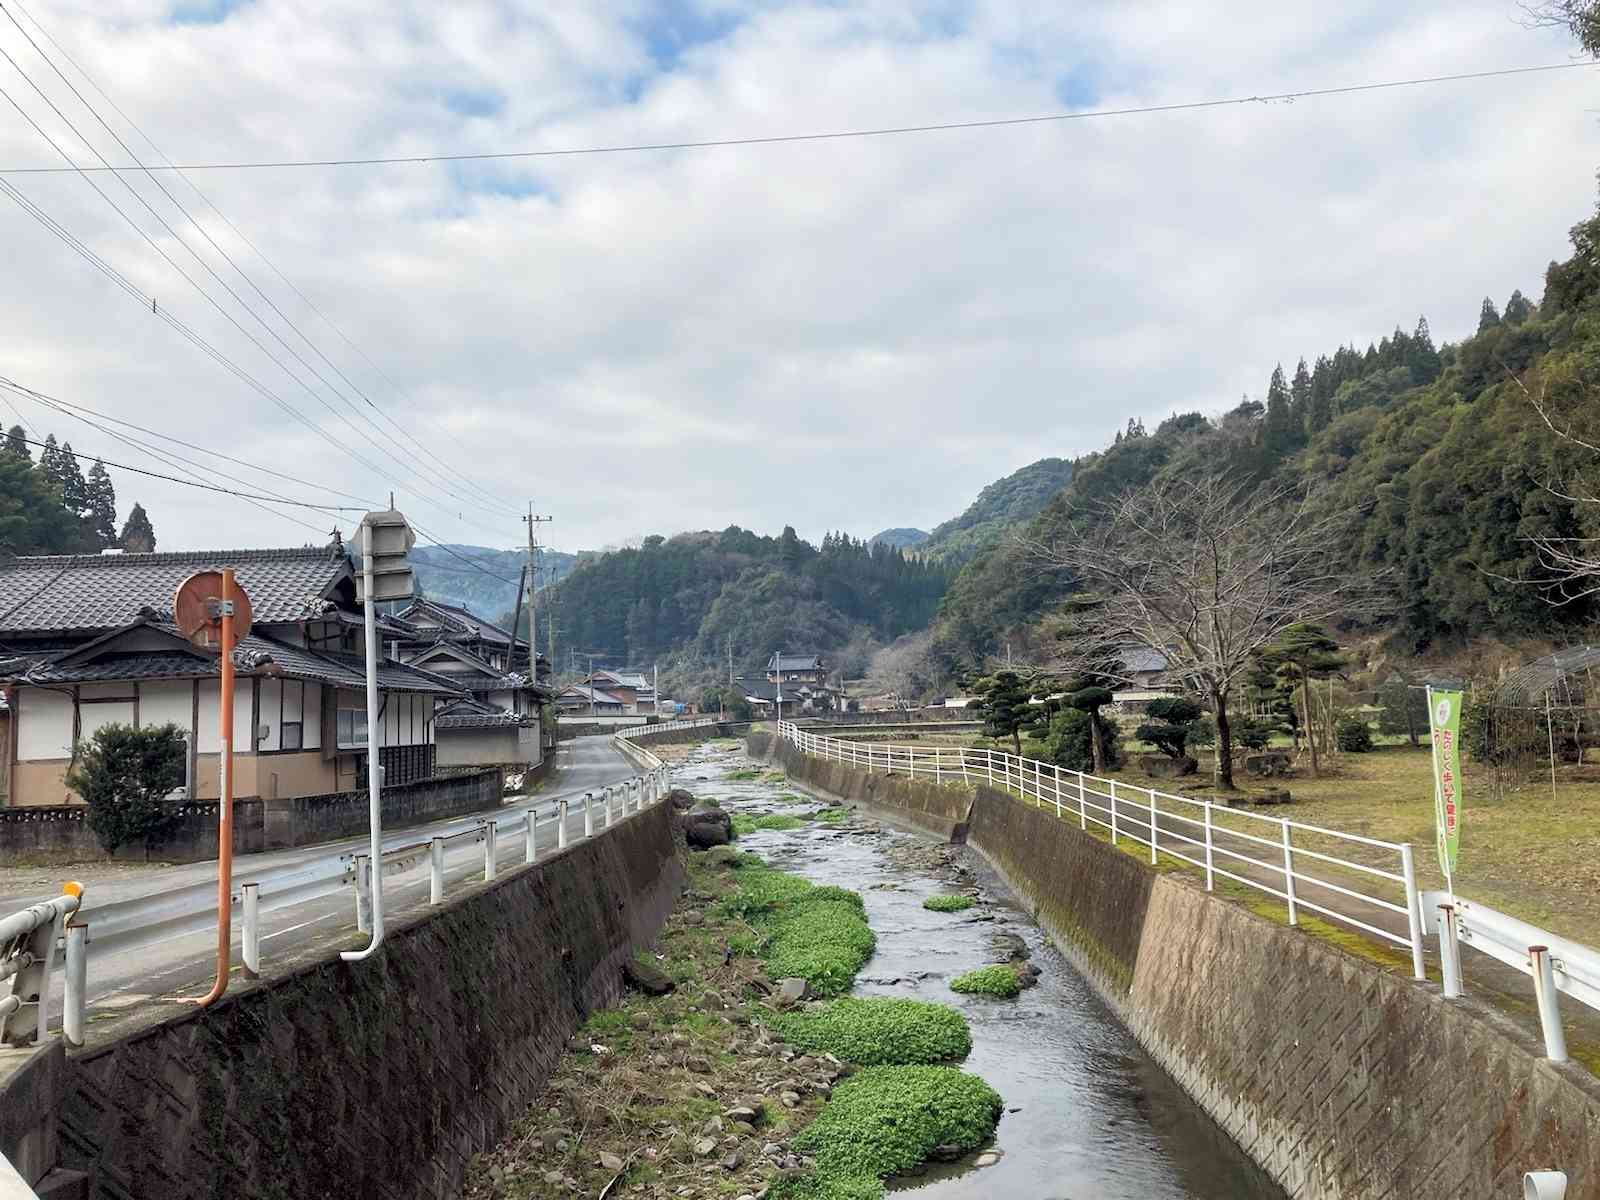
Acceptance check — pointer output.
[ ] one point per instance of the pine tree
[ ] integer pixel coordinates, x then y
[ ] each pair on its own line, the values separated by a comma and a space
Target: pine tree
17, 443
50, 460
1324, 382
1423, 359
1277, 432
1300, 395
74, 489
1488, 315
1518, 309
137, 535
102, 505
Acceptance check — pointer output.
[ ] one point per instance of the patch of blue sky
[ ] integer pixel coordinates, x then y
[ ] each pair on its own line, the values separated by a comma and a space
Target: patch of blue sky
674, 28
510, 179
205, 12
473, 102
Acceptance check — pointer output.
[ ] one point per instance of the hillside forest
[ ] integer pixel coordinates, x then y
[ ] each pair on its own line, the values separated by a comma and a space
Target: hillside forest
1440, 453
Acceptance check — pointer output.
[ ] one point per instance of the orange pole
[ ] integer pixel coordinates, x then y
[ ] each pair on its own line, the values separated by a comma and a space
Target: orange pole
225, 810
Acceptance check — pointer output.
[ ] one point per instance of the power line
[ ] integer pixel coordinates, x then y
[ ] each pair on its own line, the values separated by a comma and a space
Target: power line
466, 481
834, 135
211, 271
332, 508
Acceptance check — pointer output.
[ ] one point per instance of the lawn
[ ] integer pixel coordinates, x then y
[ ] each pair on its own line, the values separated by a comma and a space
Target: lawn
1528, 853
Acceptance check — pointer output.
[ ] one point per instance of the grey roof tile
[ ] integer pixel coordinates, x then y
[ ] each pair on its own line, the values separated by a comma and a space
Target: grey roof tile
87, 592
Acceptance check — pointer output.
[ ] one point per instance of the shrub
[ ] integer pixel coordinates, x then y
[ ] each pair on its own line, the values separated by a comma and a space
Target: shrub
1172, 720
878, 1031
1350, 733
1251, 734
886, 1120
948, 903
1203, 732
1066, 741
124, 775
997, 980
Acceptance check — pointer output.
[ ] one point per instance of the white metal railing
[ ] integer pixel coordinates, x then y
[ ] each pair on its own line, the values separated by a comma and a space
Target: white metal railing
634, 731
1274, 855
31, 940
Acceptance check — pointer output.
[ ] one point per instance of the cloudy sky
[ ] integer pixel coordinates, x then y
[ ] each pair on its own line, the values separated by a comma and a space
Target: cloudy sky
833, 334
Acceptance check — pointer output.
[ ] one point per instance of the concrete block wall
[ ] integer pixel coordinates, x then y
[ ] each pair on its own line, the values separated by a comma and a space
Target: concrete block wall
378, 1079
1345, 1081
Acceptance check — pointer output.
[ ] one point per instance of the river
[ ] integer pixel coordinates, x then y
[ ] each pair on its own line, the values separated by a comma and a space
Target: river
1089, 1116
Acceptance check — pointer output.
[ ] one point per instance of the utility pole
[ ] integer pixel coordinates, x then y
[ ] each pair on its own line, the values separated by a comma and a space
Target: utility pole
655, 688
533, 523
730, 659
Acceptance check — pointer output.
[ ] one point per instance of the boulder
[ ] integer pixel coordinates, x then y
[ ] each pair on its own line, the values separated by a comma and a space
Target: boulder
1161, 766
722, 856
792, 991
707, 827
1267, 764
647, 977
681, 800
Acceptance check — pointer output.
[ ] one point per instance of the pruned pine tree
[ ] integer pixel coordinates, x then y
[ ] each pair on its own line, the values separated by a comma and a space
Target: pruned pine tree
137, 535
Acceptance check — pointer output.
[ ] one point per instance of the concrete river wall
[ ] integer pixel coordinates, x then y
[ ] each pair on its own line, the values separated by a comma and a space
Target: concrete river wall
370, 1079
1344, 1080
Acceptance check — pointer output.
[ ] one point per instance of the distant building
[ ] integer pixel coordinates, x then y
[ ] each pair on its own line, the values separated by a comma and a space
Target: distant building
1145, 679
797, 668
580, 698
630, 687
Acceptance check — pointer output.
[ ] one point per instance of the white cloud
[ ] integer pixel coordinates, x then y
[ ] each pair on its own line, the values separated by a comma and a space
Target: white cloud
845, 334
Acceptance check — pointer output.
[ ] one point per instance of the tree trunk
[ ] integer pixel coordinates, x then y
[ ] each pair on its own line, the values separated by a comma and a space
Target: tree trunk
1305, 706
1411, 723
1224, 771
1097, 750
1016, 740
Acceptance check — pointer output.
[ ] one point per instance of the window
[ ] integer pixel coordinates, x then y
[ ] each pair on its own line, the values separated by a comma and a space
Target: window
351, 721
291, 735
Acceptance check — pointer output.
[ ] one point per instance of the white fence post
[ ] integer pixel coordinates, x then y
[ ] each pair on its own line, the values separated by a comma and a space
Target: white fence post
1544, 991
250, 945
561, 823
1288, 873
77, 981
530, 851
1153, 836
1449, 952
436, 871
1083, 804
588, 814
1413, 911
1056, 770
608, 808
1210, 870
490, 844
1113, 812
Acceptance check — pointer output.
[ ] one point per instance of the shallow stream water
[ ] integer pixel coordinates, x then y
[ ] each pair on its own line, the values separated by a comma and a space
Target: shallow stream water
1089, 1116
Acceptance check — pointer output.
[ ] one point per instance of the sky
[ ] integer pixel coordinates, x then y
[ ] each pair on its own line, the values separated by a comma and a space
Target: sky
844, 334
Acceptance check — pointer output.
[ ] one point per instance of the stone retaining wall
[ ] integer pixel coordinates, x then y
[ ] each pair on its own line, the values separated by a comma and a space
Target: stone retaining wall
1345, 1081
378, 1078
61, 833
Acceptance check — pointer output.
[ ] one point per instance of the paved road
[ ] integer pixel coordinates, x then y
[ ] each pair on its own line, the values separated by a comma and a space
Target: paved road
153, 934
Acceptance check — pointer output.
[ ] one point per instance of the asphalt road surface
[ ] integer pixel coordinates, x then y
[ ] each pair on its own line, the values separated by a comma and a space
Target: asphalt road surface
152, 934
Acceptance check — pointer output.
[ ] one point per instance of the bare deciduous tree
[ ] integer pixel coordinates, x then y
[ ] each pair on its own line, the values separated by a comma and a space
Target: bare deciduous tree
1205, 571
1564, 401
904, 667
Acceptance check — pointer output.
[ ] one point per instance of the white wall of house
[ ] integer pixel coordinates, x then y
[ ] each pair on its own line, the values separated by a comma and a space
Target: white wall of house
44, 724
166, 702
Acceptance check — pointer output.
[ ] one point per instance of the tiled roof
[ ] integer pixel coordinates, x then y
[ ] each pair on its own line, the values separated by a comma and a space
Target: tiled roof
470, 714
586, 694
253, 655
795, 662
87, 592
1139, 660
461, 620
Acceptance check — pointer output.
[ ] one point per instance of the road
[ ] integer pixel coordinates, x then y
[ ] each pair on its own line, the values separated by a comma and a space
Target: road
153, 934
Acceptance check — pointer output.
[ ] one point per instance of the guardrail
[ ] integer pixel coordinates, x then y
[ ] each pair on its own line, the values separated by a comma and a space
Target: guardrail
32, 939
634, 731
1264, 853
1555, 964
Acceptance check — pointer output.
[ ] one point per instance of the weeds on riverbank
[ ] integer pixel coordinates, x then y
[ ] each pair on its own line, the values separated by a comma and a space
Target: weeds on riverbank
998, 980
948, 903
879, 1031
743, 825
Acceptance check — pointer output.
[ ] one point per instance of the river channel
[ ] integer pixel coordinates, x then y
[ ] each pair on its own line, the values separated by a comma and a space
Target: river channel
1089, 1116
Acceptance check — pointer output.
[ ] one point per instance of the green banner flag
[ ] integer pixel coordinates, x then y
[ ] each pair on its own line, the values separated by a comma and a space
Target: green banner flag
1444, 719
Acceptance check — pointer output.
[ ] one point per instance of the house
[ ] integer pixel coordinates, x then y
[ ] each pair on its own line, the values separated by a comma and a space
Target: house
798, 698
579, 698
472, 733
797, 668
88, 640
433, 622
1144, 674
631, 687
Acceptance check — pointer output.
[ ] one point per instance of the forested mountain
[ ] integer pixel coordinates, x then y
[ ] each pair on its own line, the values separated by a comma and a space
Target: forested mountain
1000, 509
52, 507
488, 583
900, 539
1441, 451
691, 598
